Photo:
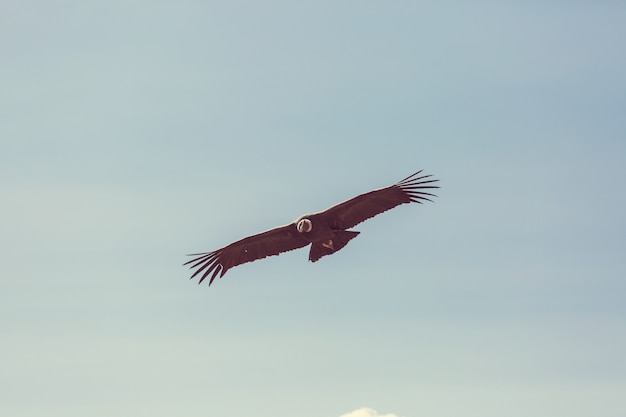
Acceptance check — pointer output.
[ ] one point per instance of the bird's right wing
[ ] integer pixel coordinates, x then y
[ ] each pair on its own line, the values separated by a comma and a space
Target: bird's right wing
269, 243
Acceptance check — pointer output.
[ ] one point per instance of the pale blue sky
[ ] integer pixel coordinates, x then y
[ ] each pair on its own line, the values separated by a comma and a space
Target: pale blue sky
132, 133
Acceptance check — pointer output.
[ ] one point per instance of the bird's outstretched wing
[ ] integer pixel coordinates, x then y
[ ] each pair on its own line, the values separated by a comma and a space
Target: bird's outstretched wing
251, 248
360, 208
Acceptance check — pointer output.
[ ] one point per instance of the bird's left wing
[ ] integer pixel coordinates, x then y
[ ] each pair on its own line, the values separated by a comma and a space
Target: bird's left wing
269, 243
362, 207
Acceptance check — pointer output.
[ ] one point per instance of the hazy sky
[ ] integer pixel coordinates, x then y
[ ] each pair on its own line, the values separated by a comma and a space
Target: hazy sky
135, 132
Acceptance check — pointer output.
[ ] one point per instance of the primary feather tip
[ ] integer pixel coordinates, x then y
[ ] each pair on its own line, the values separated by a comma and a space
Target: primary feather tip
414, 184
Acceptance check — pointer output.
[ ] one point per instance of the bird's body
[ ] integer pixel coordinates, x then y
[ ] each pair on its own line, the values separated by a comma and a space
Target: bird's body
325, 236
326, 231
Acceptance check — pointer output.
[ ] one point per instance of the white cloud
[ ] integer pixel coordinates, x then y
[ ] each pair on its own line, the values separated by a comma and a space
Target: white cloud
366, 412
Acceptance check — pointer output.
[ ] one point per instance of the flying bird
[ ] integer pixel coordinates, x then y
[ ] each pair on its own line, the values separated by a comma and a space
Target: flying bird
326, 231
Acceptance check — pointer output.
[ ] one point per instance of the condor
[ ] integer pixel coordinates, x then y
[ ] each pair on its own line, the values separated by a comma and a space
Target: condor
326, 231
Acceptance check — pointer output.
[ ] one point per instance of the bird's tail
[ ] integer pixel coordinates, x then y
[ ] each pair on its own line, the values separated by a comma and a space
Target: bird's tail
327, 247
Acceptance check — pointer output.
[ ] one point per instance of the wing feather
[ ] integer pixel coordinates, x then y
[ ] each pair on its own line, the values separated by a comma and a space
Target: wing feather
362, 207
268, 243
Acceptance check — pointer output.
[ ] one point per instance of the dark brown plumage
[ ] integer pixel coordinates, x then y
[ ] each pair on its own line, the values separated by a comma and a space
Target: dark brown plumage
325, 230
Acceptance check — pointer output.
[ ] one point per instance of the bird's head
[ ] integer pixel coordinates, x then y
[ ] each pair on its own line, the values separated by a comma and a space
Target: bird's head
304, 225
